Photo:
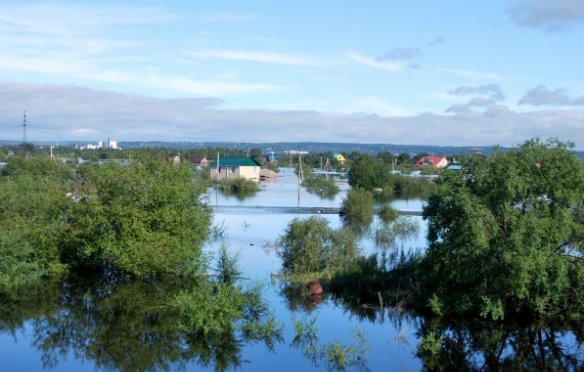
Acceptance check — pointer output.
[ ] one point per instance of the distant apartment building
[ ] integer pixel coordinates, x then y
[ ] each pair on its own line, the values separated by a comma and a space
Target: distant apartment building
295, 152
111, 144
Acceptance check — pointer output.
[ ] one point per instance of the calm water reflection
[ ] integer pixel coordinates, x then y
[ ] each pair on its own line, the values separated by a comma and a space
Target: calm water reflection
80, 326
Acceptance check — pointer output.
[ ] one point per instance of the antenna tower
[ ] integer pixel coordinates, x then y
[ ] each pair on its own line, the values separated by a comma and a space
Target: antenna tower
24, 128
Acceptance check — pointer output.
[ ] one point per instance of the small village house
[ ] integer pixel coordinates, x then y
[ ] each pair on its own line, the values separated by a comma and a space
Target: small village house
437, 162
234, 167
200, 161
271, 158
340, 158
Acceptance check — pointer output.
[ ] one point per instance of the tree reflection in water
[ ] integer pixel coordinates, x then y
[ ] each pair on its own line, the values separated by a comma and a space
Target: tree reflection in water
496, 347
478, 345
130, 326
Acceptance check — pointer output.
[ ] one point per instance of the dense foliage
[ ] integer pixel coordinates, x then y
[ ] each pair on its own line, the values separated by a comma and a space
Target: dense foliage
33, 200
321, 186
357, 207
238, 185
506, 235
310, 245
368, 172
143, 218
138, 217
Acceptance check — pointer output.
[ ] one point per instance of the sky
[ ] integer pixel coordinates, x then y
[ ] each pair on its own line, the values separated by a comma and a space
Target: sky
426, 72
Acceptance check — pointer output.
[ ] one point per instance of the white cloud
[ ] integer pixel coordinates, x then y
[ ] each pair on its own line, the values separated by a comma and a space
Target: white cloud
474, 75
375, 63
542, 96
265, 57
492, 90
61, 19
59, 113
228, 18
208, 88
547, 15
375, 105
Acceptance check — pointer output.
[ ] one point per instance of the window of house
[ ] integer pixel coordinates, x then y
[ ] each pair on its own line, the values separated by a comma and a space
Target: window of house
232, 169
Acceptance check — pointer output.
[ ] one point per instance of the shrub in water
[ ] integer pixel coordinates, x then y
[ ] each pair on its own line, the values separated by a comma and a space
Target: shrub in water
358, 206
310, 245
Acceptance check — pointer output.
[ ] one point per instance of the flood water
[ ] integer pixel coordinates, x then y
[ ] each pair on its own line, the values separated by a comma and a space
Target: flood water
250, 228
95, 326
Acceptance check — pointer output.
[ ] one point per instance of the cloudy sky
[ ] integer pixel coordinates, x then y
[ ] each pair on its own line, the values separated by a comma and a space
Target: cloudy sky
370, 71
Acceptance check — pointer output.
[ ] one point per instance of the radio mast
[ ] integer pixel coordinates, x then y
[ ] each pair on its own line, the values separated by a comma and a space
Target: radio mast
24, 128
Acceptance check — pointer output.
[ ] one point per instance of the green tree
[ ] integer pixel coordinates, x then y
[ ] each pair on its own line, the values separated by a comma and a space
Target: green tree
357, 207
367, 172
310, 245
404, 158
143, 218
38, 166
31, 210
386, 157
257, 155
506, 235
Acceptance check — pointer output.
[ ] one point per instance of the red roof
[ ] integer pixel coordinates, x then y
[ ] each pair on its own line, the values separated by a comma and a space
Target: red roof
429, 160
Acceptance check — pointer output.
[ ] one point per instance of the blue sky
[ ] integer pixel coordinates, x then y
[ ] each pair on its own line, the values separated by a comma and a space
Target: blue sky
401, 72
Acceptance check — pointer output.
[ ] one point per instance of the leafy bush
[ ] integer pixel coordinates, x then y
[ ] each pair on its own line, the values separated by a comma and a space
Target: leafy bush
506, 236
402, 227
358, 206
321, 186
39, 166
143, 218
387, 213
17, 264
238, 185
411, 186
310, 245
33, 207
368, 173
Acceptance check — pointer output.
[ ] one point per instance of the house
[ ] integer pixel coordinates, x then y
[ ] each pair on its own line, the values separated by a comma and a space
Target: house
273, 159
235, 167
340, 158
435, 161
201, 162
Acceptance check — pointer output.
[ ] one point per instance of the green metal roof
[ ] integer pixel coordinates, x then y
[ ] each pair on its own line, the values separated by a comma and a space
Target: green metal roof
235, 161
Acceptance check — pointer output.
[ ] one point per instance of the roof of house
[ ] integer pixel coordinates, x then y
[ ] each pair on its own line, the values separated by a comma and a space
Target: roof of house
198, 159
235, 161
430, 160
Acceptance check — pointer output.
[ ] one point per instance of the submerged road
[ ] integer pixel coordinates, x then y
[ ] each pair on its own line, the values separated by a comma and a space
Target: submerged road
238, 209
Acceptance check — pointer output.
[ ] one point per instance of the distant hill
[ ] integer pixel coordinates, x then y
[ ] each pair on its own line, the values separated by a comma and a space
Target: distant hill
316, 147
311, 147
